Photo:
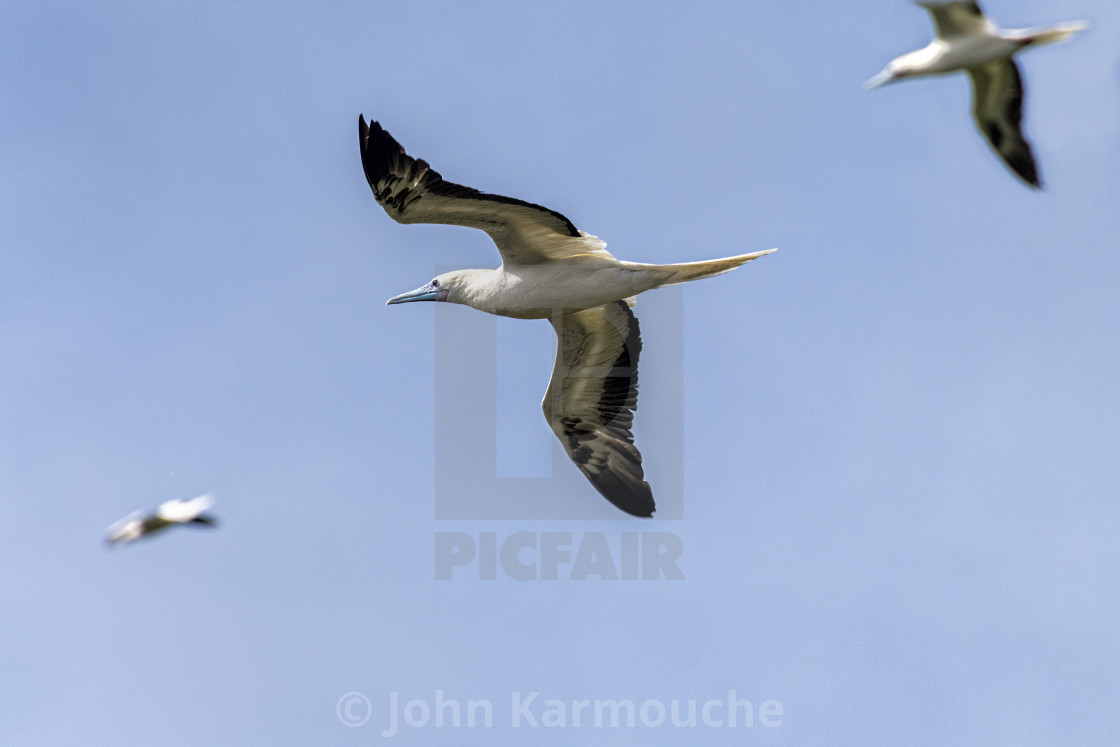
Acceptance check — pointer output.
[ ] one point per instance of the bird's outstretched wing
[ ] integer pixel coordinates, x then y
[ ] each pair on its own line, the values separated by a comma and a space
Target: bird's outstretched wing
997, 106
958, 19
591, 399
412, 192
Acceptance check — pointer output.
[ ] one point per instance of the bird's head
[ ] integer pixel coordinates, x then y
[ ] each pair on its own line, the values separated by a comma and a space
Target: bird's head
891, 73
452, 286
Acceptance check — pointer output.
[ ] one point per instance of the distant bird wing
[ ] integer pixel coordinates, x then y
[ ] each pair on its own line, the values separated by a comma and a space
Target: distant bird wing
126, 529
591, 400
997, 106
412, 192
958, 19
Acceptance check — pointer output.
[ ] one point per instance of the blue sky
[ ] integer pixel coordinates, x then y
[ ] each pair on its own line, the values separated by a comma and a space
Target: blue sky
900, 432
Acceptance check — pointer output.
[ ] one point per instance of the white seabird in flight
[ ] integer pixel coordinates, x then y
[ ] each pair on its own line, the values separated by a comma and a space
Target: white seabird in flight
968, 40
550, 270
142, 523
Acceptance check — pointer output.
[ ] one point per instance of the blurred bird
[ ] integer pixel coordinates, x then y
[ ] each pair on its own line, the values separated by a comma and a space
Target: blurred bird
141, 523
968, 40
550, 270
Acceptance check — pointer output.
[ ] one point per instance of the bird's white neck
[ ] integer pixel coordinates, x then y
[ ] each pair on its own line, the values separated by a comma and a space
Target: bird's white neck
476, 288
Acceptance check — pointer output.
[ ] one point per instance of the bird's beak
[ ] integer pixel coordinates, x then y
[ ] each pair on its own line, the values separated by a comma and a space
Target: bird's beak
427, 293
884, 77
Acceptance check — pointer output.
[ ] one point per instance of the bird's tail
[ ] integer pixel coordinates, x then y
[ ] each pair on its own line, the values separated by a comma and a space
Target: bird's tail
685, 271
1051, 34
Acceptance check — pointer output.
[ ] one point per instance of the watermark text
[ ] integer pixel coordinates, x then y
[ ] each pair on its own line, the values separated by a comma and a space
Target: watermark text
551, 556
532, 711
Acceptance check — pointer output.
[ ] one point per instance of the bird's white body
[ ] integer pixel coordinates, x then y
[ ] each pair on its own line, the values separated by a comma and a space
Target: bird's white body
969, 51
540, 291
941, 57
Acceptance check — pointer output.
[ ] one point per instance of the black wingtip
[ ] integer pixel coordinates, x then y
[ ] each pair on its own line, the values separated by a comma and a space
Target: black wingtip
1028, 173
624, 486
635, 498
647, 507
378, 149
1025, 166
1019, 160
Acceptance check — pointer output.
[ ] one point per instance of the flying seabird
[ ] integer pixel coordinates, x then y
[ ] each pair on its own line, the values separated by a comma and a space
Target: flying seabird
968, 40
550, 270
142, 523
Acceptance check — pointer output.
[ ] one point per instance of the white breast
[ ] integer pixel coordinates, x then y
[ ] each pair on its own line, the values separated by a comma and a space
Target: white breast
536, 292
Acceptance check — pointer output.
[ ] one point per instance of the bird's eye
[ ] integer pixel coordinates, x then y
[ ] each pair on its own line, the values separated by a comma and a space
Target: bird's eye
435, 283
